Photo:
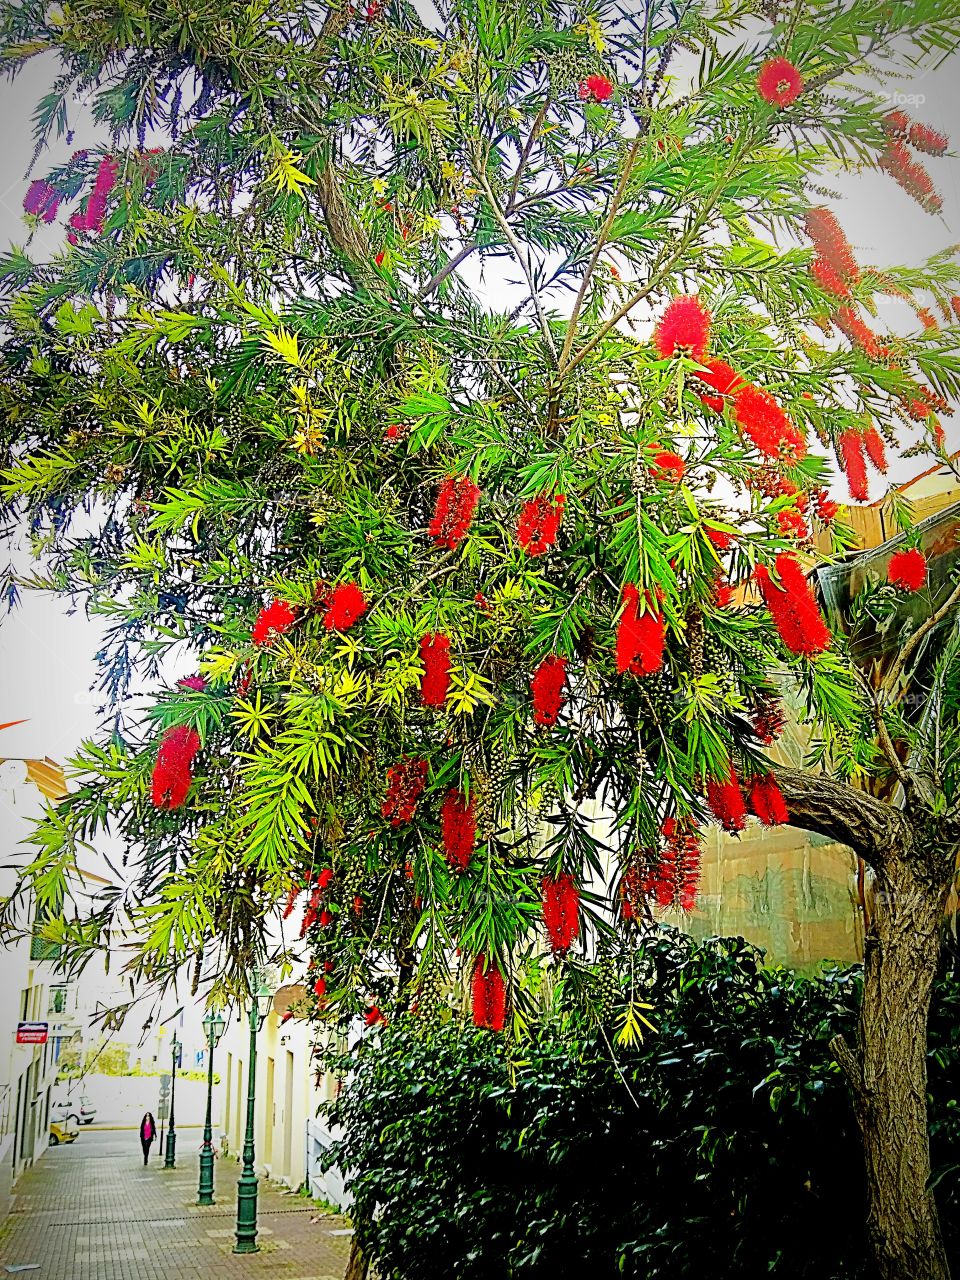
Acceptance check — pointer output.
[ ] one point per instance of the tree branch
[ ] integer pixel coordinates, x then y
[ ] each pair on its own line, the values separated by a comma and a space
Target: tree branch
896, 671
834, 809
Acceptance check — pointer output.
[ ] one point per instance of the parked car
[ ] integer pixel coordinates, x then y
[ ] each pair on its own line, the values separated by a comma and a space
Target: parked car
77, 1110
59, 1133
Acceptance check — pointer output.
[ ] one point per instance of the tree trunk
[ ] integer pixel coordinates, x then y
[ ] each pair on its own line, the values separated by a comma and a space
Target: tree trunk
359, 1265
889, 1074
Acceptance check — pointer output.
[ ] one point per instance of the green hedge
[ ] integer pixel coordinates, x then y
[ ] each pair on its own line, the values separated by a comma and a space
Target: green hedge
723, 1146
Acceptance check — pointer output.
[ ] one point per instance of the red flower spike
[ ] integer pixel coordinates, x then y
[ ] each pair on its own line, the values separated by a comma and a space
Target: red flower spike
547, 687
405, 784
196, 683
793, 607
792, 525
454, 512
876, 452
857, 332
766, 800
852, 458
922, 138
722, 540
833, 250
435, 656
723, 378
374, 1018
896, 124
722, 593
273, 621
539, 523
779, 82
726, 801
345, 604
684, 327
668, 466
489, 995
769, 721
561, 912
825, 509
828, 279
320, 988
459, 826
171, 773
324, 879
640, 637
597, 88
911, 176
766, 424
326, 918
907, 570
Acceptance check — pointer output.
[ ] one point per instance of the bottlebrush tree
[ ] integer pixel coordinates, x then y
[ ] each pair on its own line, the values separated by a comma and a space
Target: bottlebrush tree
458, 388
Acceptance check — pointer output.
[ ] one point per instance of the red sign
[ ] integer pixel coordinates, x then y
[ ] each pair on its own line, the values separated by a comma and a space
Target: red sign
32, 1032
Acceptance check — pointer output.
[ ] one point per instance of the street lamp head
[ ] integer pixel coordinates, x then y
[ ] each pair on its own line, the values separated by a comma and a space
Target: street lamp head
264, 999
214, 1024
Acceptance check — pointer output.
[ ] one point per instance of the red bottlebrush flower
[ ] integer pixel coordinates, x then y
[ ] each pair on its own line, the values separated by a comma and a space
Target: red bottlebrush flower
345, 604
324, 879
196, 683
454, 512
793, 607
435, 656
539, 523
828, 279
922, 138
873, 442
320, 988
42, 200
928, 319
896, 124
396, 430
482, 603
668, 466
311, 914
328, 966
357, 905
547, 687
380, 257
489, 995
459, 826
722, 540
273, 621
955, 304
640, 637
779, 82
723, 378
405, 784
374, 1017
852, 457
561, 912
857, 332
766, 424
769, 720
684, 327
726, 801
598, 88
171, 773
244, 682
722, 593
326, 919
824, 507
911, 176
792, 524
833, 248
676, 877
292, 895
907, 570
766, 800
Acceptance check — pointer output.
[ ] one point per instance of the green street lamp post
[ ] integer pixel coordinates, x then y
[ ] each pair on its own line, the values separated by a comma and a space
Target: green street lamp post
213, 1024
170, 1158
261, 999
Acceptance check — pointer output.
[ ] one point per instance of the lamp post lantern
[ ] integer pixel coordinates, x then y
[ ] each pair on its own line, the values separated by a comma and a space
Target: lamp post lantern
213, 1024
261, 999
170, 1157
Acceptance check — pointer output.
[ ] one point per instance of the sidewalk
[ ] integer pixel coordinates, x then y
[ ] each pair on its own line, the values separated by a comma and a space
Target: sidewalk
90, 1211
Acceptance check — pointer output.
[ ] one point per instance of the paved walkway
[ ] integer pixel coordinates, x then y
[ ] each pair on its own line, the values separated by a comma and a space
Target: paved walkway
90, 1211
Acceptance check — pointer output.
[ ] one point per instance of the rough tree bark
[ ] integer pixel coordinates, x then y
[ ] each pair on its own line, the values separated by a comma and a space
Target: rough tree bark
887, 1070
358, 1265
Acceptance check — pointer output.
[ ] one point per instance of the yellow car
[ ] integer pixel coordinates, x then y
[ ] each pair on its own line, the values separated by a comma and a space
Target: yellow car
59, 1134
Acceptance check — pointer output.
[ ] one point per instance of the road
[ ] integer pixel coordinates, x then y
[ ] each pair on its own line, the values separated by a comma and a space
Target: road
90, 1211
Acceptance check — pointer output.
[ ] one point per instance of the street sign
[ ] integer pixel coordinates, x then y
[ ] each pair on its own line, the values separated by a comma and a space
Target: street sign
32, 1032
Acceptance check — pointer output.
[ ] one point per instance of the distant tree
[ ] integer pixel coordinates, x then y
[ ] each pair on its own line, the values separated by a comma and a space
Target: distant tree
344, 393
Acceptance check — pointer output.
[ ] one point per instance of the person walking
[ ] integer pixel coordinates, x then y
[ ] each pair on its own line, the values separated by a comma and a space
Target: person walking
148, 1131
